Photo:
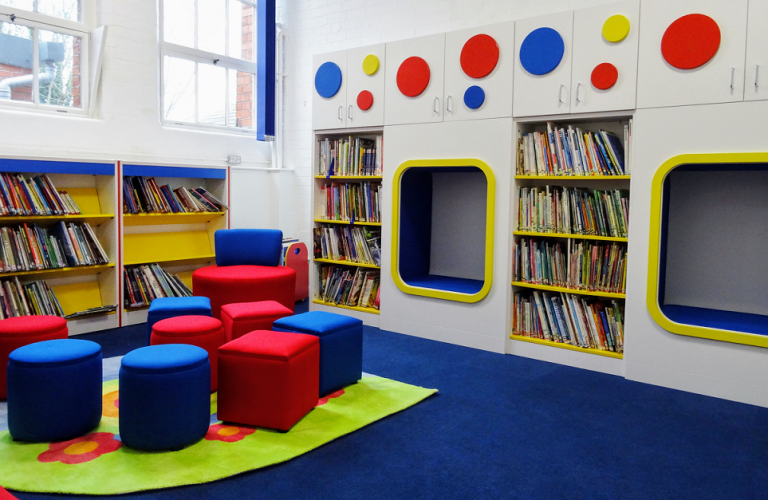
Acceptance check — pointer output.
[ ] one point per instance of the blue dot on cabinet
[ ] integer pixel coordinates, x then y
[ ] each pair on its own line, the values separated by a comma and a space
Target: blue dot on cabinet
328, 79
541, 51
474, 97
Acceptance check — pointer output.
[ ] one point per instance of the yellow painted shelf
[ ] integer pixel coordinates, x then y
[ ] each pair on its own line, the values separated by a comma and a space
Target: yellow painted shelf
64, 271
350, 177
193, 259
532, 340
347, 263
357, 223
178, 246
78, 296
92, 219
576, 177
361, 309
569, 290
161, 219
570, 236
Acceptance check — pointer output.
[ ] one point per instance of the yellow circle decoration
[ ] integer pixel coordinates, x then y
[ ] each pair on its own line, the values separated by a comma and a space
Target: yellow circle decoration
81, 448
370, 64
616, 28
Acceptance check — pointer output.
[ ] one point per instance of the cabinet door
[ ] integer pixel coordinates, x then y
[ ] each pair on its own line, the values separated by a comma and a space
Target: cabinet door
545, 90
756, 80
365, 86
329, 111
424, 84
604, 74
481, 85
670, 74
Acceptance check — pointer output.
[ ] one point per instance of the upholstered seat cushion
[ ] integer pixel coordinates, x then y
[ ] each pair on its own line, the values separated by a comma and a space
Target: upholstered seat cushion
170, 307
266, 344
244, 317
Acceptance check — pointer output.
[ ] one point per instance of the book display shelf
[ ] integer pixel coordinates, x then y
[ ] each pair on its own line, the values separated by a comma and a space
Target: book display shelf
93, 187
570, 231
346, 222
178, 242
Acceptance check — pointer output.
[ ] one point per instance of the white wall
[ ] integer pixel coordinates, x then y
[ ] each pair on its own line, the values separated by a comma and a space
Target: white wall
319, 26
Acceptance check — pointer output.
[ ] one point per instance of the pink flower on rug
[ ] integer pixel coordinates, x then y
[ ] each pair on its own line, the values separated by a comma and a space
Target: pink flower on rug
82, 449
322, 401
227, 433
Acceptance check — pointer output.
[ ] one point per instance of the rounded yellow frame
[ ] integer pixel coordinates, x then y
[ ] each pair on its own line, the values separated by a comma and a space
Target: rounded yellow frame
489, 229
654, 249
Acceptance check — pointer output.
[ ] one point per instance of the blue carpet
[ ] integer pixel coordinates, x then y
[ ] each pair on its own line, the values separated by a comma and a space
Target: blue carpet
509, 427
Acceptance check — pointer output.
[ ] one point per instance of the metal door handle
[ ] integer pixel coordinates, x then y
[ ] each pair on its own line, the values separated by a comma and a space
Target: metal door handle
560, 94
757, 67
578, 86
436, 105
733, 71
349, 112
338, 115
449, 104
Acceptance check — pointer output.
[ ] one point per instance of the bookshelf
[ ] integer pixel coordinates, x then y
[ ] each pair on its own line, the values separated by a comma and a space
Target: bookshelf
567, 219
179, 242
93, 186
358, 219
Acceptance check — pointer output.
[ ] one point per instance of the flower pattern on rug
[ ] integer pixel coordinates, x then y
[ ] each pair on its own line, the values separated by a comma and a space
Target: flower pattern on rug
110, 404
82, 449
227, 433
322, 401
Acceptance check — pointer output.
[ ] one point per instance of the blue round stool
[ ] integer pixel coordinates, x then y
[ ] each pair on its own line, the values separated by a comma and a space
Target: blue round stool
54, 390
165, 396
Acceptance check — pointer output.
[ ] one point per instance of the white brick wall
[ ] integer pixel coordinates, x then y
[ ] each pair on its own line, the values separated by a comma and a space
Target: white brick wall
318, 26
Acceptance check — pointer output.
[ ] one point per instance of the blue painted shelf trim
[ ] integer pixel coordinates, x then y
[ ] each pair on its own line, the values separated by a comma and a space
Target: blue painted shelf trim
56, 167
157, 171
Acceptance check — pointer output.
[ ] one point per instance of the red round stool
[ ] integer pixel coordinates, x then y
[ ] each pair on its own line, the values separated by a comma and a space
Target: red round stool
24, 330
232, 284
202, 331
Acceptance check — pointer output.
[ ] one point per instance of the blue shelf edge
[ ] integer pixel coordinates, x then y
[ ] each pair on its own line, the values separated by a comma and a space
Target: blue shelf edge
186, 172
56, 167
717, 319
445, 283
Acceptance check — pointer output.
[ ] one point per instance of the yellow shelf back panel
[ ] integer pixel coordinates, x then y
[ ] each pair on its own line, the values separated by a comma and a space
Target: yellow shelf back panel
186, 277
78, 297
160, 219
86, 198
144, 248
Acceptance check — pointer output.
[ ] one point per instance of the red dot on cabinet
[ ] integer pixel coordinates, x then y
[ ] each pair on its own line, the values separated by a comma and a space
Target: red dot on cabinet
690, 41
364, 100
604, 76
413, 76
479, 56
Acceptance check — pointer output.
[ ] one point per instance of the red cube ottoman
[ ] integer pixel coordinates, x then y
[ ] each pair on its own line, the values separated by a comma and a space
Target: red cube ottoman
202, 331
24, 330
241, 318
268, 379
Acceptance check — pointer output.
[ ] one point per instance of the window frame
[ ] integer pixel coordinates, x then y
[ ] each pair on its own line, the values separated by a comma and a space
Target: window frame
37, 22
204, 57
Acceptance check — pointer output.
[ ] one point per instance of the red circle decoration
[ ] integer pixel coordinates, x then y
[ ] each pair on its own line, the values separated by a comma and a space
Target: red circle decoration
413, 76
479, 56
604, 76
364, 100
690, 41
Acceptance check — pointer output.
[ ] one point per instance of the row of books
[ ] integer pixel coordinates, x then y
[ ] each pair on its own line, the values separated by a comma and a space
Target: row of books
147, 282
572, 151
356, 202
353, 156
29, 299
34, 196
582, 265
554, 209
359, 244
569, 319
349, 287
143, 195
30, 248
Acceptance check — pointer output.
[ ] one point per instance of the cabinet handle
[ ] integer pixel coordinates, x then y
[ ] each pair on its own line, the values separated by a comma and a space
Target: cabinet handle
349, 112
436, 105
733, 71
578, 86
757, 66
449, 104
560, 94
338, 115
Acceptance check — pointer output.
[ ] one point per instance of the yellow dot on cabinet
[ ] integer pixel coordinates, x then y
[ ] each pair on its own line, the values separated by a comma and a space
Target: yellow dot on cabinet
370, 64
616, 28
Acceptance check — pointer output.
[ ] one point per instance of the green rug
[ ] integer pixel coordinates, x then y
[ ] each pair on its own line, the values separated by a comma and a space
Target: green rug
98, 464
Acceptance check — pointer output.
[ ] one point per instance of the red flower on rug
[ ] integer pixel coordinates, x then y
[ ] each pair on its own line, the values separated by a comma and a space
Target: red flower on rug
227, 433
110, 404
322, 401
82, 449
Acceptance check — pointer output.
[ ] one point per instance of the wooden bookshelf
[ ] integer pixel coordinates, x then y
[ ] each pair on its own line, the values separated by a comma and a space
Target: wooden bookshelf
561, 345
369, 310
548, 288
570, 236
347, 263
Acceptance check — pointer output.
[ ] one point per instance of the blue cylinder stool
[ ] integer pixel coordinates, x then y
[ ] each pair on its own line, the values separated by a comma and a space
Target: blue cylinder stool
165, 396
170, 307
54, 390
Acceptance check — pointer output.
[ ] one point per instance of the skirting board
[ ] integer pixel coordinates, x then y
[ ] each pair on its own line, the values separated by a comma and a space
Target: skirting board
698, 384
368, 319
92, 324
431, 332
567, 357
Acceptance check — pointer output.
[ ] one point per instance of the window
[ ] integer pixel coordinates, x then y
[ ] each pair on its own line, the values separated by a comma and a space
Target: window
43, 55
208, 73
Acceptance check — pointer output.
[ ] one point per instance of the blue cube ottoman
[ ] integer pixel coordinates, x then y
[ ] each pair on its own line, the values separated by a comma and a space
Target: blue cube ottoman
341, 346
170, 307
165, 396
54, 390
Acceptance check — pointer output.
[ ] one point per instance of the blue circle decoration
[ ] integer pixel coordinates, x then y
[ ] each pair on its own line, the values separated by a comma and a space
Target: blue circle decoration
474, 97
541, 51
328, 79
